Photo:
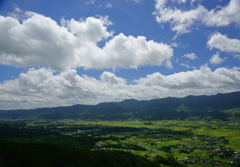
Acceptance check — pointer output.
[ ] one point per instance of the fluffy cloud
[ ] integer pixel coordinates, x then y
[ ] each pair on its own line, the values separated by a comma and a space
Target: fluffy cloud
216, 59
40, 87
43, 88
224, 16
191, 56
183, 21
39, 40
111, 78
180, 20
223, 43
132, 52
202, 81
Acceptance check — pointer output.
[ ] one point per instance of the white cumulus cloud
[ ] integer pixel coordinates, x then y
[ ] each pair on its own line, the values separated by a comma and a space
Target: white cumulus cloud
183, 21
216, 59
202, 81
111, 78
123, 51
39, 40
42, 88
223, 43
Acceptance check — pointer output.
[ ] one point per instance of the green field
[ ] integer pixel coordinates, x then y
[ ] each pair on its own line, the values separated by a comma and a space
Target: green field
188, 143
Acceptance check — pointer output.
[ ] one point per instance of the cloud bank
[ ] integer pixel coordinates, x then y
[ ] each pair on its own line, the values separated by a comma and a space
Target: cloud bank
42, 88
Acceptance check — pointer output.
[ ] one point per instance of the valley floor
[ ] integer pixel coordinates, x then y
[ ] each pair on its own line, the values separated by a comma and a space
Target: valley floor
167, 142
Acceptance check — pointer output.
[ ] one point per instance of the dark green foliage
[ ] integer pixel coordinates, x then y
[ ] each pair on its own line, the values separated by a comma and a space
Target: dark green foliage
38, 155
167, 161
167, 148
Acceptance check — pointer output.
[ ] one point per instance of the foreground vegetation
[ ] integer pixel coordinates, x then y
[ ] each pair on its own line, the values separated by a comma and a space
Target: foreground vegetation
50, 155
42, 142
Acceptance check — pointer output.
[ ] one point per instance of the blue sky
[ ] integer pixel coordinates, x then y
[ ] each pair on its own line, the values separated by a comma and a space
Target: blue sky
61, 53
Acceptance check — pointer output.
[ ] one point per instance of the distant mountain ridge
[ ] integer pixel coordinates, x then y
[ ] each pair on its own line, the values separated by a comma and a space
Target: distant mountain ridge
157, 109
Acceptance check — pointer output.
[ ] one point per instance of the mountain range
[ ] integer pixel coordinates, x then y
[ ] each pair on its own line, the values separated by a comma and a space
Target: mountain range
213, 107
